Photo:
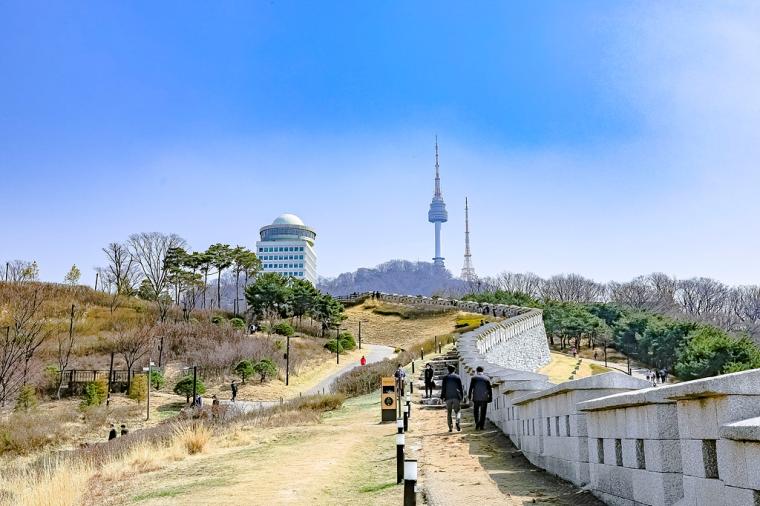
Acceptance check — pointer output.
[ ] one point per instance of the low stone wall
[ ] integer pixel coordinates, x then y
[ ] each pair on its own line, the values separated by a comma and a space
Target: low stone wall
692, 443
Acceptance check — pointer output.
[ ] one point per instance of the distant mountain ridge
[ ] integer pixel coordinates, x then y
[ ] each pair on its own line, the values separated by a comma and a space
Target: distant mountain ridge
395, 276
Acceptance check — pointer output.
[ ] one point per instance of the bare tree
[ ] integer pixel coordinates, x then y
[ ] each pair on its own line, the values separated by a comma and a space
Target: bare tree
149, 250
665, 288
65, 346
11, 357
121, 272
132, 345
701, 296
637, 294
527, 283
17, 271
572, 288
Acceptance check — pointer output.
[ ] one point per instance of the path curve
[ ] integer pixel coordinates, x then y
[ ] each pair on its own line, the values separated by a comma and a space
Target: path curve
374, 353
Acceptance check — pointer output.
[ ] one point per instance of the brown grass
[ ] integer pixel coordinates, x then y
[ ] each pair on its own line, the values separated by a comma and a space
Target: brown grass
193, 438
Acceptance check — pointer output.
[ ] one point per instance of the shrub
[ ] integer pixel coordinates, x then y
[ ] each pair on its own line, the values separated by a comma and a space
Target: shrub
265, 368
193, 438
185, 387
327, 402
345, 342
217, 320
244, 369
95, 392
138, 388
157, 379
283, 329
27, 398
237, 323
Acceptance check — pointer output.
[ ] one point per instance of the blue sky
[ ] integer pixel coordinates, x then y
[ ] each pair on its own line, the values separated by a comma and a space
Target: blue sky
605, 138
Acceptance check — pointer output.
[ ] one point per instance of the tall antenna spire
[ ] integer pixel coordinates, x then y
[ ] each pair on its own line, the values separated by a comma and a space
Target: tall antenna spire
437, 213
468, 271
437, 171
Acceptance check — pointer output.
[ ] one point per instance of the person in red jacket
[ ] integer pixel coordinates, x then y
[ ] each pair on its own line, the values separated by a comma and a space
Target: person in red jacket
363, 361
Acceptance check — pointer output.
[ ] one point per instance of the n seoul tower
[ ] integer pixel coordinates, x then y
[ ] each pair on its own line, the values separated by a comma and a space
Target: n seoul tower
437, 213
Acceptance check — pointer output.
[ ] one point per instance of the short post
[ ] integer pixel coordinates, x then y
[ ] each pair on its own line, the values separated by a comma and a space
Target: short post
412, 366
410, 482
436, 343
406, 418
400, 440
422, 354
399, 426
409, 405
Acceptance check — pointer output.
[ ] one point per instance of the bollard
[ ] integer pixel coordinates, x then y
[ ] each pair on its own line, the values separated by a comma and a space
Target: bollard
409, 406
411, 386
422, 354
412, 366
410, 482
406, 418
400, 440
400, 425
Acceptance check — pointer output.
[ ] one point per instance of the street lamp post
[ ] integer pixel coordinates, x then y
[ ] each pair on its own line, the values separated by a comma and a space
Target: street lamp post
360, 334
148, 370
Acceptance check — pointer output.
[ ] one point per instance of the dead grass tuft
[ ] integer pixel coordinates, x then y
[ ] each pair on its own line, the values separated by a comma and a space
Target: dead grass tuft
192, 438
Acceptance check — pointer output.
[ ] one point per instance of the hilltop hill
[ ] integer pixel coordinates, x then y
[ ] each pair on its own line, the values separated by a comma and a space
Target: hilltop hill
395, 276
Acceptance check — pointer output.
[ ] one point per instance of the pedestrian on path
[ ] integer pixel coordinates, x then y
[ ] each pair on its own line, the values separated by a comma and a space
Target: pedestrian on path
112, 433
400, 376
429, 383
452, 394
481, 394
234, 388
124, 430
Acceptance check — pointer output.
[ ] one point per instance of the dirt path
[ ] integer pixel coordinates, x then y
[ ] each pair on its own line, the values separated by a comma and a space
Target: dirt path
347, 459
480, 467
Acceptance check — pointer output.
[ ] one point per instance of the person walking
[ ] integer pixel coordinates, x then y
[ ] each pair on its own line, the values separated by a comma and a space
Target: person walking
452, 394
124, 430
400, 376
429, 383
215, 407
112, 433
481, 394
363, 361
234, 388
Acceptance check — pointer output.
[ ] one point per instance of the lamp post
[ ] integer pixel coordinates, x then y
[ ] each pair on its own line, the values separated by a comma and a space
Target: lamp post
360, 334
337, 344
148, 370
287, 360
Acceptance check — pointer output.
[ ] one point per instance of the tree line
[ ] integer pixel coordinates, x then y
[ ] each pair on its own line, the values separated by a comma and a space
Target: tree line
657, 337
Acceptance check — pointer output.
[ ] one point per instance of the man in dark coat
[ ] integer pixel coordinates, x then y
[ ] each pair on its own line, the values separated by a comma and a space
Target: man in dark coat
429, 384
452, 394
481, 394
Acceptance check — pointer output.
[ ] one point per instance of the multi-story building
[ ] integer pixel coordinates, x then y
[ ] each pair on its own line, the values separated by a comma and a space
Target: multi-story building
287, 247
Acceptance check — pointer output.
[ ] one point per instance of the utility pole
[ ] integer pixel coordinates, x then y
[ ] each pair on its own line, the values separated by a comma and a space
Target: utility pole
195, 381
287, 360
96, 280
110, 378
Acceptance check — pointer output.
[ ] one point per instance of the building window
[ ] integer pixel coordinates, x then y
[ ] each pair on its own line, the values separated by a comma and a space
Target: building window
548, 426
600, 450
556, 424
261, 250
619, 452
567, 424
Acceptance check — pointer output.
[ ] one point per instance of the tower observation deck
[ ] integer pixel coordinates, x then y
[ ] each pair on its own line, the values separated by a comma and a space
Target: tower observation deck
437, 213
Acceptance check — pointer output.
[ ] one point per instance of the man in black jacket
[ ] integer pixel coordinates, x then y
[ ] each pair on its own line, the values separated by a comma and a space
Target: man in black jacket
481, 394
429, 384
452, 394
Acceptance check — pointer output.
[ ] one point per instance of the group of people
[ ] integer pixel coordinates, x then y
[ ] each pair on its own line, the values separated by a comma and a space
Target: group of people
112, 434
657, 376
452, 394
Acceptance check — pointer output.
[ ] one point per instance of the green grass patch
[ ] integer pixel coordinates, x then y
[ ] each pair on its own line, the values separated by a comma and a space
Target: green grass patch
598, 369
179, 490
368, 489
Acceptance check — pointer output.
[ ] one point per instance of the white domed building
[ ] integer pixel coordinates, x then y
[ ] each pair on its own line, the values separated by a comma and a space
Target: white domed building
287, 247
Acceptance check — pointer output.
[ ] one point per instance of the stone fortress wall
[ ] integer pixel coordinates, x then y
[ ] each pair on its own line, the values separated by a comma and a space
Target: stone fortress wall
630, 444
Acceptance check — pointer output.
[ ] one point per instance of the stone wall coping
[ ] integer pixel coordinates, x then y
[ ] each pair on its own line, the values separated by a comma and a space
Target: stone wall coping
525, 385
743, 430
650, 395
604, 381
738, 383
